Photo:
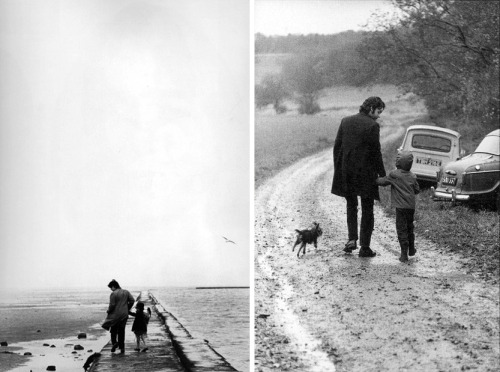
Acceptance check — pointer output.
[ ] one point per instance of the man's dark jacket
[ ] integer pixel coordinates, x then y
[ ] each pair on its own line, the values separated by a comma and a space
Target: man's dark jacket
357, 158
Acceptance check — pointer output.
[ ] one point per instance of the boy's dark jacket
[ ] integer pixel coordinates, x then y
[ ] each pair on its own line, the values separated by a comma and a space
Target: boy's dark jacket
404, 185
141, 321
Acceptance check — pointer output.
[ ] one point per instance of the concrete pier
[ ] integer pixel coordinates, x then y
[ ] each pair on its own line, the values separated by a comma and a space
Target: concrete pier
170, 347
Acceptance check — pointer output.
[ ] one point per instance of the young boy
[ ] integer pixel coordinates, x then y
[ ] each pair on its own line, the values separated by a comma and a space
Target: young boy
140, 326
404, 187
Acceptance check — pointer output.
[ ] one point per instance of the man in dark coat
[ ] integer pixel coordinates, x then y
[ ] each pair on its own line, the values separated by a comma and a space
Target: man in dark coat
120, 302
358, 163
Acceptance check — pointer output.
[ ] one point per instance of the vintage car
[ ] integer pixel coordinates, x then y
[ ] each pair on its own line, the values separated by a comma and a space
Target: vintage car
432, 147
474, 178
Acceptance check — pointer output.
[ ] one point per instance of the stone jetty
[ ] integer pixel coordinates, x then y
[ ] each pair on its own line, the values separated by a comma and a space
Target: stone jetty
170, 347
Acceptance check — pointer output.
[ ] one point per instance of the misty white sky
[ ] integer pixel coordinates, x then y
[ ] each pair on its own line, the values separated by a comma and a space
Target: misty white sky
283, 17
124, 142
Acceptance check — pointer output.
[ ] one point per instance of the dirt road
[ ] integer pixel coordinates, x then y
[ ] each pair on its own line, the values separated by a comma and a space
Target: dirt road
331, 311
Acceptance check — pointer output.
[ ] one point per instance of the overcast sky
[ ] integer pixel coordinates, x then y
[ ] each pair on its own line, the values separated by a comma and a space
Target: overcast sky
124, 142
283, 17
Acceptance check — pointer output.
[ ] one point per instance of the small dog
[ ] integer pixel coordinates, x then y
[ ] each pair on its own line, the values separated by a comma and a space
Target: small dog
309, 236
90, 360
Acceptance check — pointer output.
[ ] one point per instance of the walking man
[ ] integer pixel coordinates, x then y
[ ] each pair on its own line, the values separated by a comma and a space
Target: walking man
120, 302
358, 163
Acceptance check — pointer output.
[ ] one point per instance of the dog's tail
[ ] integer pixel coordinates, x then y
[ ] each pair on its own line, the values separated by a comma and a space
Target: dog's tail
297, 230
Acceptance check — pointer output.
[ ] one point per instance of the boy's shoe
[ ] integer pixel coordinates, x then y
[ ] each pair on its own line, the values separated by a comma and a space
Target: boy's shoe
137, 349
122, 351
366, 252
412, 251
144, 350
350, 246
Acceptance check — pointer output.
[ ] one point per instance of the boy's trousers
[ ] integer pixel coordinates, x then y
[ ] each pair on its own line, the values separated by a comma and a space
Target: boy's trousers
404, 228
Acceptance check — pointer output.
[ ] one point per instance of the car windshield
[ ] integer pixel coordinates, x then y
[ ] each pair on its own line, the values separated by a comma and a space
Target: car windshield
489, 145
430, 142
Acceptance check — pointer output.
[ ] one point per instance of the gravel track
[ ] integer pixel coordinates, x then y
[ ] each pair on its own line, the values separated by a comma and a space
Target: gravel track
331, 311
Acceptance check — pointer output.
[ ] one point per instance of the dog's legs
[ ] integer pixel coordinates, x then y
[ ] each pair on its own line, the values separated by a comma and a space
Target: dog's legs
302, 247
296, 243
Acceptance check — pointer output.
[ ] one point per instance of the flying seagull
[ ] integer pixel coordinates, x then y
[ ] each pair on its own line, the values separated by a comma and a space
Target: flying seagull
228, 241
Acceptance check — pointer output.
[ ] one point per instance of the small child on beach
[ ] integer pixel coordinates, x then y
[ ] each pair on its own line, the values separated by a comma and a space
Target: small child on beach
140, 325
404, 187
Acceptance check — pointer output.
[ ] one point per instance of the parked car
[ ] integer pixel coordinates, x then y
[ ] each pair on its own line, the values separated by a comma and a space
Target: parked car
476, 177
432, 147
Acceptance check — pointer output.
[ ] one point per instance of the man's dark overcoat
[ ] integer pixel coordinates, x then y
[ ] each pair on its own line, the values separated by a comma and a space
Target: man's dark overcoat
120, 302
357, 158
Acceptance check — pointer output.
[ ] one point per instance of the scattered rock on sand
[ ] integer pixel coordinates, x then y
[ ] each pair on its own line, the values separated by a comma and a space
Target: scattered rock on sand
51, 368
78, 347
27, 353
46, 345
82, 335
4, 343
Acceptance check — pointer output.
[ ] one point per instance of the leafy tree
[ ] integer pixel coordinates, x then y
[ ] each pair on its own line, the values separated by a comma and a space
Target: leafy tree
305, 78
443, 50
272, 90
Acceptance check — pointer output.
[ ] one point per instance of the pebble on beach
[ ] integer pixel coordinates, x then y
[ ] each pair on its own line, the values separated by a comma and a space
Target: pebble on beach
4, 343
51, 368
78, 347
82, 335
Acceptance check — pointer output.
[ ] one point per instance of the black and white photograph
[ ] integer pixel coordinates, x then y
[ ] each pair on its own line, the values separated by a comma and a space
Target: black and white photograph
249, 185
376, 185
125, 185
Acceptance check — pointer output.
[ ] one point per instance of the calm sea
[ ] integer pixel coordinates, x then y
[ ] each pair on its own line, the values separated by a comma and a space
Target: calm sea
220, 316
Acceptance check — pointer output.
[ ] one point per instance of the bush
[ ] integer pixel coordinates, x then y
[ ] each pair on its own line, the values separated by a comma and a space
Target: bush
308, 106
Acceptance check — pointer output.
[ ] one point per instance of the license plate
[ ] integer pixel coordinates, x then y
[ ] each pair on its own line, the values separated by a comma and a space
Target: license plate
452, 181
429, 161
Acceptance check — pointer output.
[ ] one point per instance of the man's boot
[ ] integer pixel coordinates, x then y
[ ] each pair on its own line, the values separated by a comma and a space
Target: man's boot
404, 253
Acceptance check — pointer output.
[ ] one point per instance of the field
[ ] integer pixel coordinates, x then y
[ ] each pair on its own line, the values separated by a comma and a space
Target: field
280, 140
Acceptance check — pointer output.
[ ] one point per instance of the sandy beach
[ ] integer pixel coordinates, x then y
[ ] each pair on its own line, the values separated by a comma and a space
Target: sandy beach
58, 352
41, 329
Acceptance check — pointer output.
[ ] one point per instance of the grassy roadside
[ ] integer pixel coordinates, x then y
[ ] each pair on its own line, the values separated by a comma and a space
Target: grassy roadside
282, 140
471, 234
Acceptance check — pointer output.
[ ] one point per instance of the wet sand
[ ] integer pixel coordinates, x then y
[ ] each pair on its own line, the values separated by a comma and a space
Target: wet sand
30, 319
59, 352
